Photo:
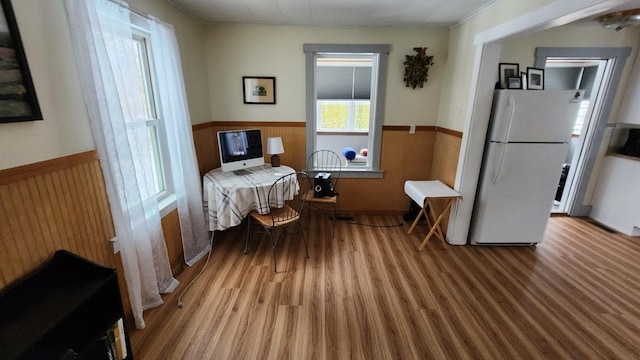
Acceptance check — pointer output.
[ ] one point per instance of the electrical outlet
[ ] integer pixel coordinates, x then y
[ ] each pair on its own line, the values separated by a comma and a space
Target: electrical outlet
115, 246
412, 129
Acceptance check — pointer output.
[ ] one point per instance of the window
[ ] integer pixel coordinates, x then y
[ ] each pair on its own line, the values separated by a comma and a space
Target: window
343, 90
339, 115
345, 102
156, 139
582, 113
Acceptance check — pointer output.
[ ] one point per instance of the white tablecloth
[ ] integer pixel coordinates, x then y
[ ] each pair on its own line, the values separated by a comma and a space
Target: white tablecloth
228, 198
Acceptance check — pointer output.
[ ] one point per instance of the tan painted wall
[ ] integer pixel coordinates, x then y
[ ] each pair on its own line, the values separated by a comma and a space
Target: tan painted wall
251, 50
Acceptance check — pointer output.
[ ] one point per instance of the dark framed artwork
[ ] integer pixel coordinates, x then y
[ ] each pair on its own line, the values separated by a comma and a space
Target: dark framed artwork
18, 101
507, 70
535, 78
259, 89
514, 82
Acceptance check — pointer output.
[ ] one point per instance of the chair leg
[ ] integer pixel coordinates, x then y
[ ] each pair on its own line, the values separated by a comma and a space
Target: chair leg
246, 242
333, 226
274, 241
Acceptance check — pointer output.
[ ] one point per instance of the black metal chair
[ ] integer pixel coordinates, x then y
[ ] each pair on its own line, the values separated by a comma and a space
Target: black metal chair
286, 201
324, 161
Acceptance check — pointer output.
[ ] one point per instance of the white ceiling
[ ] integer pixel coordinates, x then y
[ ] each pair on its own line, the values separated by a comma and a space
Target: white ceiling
393, 13
377, 13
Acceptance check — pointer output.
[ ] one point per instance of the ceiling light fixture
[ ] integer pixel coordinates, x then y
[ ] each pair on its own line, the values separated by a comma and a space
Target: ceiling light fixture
619, 19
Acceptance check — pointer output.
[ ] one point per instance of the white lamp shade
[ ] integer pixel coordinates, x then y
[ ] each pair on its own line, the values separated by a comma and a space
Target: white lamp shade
274, 145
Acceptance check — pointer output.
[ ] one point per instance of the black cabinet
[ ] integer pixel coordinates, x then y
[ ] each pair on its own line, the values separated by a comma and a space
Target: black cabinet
70, 308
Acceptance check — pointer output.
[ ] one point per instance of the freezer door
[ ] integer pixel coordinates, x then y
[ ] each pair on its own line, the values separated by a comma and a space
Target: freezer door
516, 193
534, 115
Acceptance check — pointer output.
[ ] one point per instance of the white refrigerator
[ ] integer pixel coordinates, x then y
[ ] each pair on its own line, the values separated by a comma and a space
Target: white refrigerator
527, 144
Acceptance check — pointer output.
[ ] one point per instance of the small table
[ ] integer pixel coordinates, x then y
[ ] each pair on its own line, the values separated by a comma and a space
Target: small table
423, 192
228, 198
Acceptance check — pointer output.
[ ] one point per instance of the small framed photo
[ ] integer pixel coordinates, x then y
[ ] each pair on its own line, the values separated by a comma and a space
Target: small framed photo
535, 78
506, 71
259, 89
514, 82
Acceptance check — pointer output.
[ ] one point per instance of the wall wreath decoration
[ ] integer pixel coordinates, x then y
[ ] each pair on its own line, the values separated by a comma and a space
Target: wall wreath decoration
416, 67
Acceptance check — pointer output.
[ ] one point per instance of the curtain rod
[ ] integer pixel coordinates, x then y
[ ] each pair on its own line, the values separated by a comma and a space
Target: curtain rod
128, 7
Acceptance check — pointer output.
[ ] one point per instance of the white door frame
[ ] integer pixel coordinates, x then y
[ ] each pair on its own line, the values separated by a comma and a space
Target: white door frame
485, 71
616, 58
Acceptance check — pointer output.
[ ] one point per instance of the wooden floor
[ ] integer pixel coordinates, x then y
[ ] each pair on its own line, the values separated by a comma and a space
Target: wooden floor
368, 294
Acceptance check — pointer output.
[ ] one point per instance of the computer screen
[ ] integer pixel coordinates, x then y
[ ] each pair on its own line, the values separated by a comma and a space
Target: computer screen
240, 149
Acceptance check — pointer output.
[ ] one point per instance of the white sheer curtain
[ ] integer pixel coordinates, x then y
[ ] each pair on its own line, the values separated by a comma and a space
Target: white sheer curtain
103, 47
184, 166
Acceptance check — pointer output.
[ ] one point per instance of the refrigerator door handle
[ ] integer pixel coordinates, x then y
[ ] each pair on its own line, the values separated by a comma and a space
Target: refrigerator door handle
511, 102
498, 168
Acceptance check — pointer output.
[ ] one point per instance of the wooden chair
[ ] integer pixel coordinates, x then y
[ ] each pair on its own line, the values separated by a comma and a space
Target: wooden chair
324, 161
286, 200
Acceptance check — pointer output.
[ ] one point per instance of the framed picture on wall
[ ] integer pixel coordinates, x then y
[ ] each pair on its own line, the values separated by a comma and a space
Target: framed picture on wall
18, 101
259, 89
535, 79
507, 70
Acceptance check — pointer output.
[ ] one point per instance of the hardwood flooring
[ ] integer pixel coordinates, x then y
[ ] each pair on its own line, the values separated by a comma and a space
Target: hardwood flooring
369, 294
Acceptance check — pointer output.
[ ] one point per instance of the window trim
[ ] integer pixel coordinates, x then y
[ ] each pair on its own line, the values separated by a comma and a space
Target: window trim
382, 51
166, 197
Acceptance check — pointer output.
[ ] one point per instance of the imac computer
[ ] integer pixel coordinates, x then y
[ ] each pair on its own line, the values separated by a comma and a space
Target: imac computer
240, 150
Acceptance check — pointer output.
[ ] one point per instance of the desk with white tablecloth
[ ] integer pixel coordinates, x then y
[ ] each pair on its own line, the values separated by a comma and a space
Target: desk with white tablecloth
228, 198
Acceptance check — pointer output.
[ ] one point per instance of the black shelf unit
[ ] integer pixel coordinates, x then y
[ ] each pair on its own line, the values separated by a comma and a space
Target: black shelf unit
63, 310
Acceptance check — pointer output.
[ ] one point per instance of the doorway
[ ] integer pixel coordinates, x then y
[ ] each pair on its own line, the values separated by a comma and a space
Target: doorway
606, 67
569, 74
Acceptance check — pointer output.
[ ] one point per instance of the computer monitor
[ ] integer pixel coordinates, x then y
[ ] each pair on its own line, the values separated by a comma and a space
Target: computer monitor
240, 149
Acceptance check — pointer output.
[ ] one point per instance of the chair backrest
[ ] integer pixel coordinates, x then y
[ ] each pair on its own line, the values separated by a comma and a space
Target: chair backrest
325, 161
287, 190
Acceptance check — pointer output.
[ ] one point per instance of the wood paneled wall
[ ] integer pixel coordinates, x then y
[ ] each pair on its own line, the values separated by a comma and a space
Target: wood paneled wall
445, 161
446, 151
292, 133
173, 239
404, 157
51, 205
62, 204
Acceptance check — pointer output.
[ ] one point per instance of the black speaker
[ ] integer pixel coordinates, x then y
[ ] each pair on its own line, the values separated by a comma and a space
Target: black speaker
322, 185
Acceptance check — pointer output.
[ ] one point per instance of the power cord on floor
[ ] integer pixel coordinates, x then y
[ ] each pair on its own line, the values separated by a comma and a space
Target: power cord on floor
369, 225
349, 220
200, 273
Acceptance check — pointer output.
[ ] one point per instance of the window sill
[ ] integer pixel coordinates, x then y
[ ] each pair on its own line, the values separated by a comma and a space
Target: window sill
167, 204
344, 133
350, 173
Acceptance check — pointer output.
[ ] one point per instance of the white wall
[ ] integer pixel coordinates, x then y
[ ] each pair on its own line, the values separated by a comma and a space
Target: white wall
252, 50
462, 50
65, 129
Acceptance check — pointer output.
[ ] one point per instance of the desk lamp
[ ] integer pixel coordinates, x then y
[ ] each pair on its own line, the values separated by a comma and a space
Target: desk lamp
274, 147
